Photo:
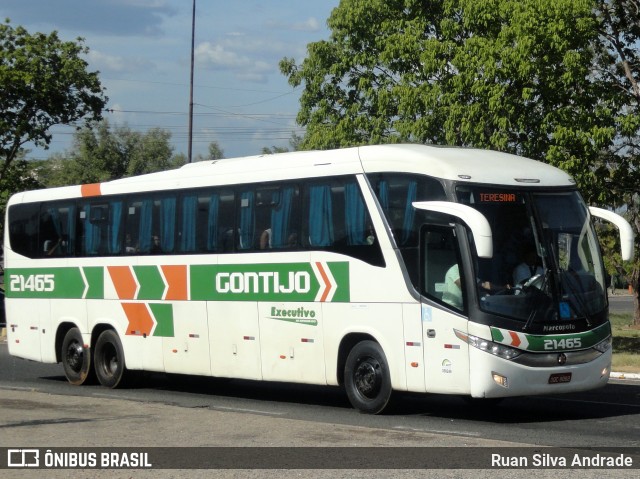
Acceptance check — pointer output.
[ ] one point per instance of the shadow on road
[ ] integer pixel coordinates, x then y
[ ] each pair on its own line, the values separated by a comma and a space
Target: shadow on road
614, 400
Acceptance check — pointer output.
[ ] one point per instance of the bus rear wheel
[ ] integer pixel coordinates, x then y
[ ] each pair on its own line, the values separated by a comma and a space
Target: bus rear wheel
108, 357
367, 379
76, 359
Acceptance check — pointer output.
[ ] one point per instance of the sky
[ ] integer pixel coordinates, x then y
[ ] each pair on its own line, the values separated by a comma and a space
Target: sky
142, 50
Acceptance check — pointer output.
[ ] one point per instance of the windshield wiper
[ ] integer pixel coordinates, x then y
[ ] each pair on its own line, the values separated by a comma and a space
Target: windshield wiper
579, 307
534, 311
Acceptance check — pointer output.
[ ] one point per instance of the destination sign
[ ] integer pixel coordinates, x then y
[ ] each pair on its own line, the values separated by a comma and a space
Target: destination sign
498, 197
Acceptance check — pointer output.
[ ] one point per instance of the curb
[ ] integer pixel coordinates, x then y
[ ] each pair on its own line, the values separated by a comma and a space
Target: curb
625, 375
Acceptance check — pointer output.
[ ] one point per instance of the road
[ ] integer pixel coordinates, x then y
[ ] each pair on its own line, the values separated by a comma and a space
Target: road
40, 408
621, 303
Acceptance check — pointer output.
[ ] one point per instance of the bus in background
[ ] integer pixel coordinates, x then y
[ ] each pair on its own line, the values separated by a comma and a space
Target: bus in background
378, 268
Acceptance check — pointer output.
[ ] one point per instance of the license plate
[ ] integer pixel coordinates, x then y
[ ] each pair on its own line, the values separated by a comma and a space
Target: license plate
560, 378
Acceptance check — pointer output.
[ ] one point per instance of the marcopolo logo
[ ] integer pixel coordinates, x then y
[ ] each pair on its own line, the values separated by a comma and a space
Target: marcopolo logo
307, 282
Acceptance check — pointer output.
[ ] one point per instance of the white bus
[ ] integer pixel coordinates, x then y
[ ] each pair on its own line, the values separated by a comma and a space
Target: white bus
378, 268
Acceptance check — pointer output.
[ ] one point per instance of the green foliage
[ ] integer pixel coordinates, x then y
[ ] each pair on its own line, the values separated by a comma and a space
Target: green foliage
44, 82
553, 80
103, 153
294, 143
215, 153
273, 150
19, 176
508, 75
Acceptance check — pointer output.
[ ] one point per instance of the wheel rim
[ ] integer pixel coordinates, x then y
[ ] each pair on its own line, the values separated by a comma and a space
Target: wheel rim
109, 361
75, 356
368, 378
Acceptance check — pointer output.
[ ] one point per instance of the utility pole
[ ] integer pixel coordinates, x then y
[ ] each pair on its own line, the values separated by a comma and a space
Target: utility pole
193, 38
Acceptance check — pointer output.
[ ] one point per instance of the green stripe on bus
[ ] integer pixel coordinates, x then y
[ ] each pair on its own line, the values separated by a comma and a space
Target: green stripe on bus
55, 283
163, 314
95, 278
559, 342
304, 282
152, 285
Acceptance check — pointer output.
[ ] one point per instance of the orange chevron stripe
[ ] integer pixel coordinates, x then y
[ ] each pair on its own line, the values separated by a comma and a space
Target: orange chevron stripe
92, 189
176, 276
140, 321
515, 339
327, 283
123, 281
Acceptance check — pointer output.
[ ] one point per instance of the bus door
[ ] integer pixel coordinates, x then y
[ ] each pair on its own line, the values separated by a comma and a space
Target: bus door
443, 309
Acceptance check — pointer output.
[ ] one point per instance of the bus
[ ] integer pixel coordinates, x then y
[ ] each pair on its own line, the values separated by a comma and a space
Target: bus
377, 268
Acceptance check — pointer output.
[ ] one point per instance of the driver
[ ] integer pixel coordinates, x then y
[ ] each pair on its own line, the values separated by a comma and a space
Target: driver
528, 268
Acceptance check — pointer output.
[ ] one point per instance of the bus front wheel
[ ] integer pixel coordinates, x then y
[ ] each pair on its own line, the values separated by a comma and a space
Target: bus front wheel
366, 378
76, 359
108, 357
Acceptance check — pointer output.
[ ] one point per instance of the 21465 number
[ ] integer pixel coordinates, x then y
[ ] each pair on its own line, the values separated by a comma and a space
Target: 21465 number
33, 282
568, 343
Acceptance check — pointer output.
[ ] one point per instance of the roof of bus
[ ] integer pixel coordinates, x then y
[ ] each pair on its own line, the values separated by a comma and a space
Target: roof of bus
459, 164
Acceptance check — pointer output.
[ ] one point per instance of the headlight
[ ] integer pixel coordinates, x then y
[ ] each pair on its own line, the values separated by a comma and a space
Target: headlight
604, 346
500, 350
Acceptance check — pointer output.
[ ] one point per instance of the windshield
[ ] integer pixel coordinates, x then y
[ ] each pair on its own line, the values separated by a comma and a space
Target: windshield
546, 264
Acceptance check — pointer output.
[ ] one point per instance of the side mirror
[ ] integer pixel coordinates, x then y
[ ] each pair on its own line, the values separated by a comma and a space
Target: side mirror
475, 220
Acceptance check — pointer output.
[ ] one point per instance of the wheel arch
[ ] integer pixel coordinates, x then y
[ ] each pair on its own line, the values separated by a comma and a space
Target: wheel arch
98, 329
346, 345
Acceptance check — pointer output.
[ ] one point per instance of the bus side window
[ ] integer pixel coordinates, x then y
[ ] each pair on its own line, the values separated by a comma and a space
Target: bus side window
23, 229
225, 234
165, 234
246, 220
285, 219
277, 217
442, 278
100, 228
319, 223
57, 229
337, 220
132, 226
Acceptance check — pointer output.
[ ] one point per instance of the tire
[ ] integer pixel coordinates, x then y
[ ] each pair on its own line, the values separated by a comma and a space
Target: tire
108, 357
367, 379
76, 359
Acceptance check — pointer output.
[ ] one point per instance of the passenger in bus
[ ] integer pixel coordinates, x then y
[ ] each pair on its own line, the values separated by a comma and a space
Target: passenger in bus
51, 246
155, 245
265, 239
452, 293
129, 248
528, 268
292, 241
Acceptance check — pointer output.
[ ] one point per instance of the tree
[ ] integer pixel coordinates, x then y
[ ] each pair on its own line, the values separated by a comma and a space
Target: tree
19, 176
44, 82
294, 142
102, 153
153, 152
618, 66
266, 150
554, 80
215, 153
511, 75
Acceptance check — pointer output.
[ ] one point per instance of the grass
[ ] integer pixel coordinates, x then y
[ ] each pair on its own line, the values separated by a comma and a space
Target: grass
626, 344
